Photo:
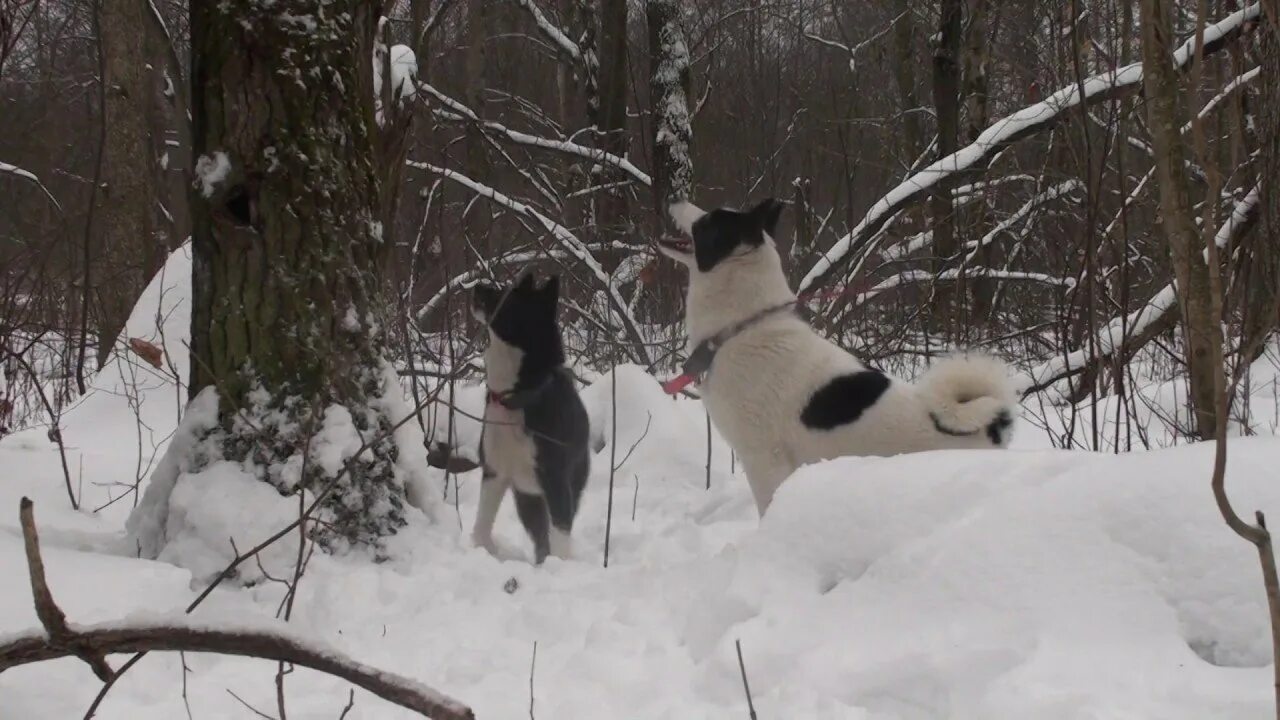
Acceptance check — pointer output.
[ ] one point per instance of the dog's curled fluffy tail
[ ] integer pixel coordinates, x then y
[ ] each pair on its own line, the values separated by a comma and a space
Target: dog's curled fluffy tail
970, 395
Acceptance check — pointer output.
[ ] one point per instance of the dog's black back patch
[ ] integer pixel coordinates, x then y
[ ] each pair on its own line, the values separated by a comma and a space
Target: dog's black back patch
844, 399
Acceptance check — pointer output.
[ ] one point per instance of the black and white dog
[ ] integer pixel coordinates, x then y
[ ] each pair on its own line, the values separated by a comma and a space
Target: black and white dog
784, 396
536, 430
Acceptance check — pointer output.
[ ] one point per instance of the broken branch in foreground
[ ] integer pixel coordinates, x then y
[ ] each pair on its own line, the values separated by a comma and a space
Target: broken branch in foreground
261, 638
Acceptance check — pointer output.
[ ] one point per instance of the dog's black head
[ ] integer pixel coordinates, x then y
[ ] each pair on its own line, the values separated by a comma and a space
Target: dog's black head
522, 315
711, 237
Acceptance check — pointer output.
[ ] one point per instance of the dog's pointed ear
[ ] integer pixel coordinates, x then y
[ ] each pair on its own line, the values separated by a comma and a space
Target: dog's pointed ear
526, 281
685, 214
767, 212
552, 288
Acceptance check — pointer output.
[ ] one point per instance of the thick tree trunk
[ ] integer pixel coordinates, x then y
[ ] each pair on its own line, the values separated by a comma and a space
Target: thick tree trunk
946, 103
287, 244
1262, 288
130, 249
1202, 329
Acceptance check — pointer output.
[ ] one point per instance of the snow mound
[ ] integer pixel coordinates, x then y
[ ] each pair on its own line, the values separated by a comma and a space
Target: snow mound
117, 431
1010, 584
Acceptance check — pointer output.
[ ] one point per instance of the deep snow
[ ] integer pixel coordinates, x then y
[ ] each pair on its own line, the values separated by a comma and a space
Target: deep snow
1032, 583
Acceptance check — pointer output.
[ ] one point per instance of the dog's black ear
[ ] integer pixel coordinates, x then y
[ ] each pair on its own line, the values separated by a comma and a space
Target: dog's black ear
526, 281
767, 212
552, 288
484, 296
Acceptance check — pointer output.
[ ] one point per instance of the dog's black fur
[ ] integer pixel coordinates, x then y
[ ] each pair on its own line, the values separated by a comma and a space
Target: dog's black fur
843, 399
721, 231
545, 400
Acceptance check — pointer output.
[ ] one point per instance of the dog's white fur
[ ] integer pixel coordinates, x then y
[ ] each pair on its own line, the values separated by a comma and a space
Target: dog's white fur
763, 378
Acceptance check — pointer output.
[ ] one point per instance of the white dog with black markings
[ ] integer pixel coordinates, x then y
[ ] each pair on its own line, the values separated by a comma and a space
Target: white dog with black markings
784, 396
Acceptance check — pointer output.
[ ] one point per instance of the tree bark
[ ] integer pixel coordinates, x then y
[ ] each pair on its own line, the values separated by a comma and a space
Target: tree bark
669, 90
130, 250
1202, 329
287, 243
976, 218
904, 39
611, 118
1262, 289
479, 24
946, 102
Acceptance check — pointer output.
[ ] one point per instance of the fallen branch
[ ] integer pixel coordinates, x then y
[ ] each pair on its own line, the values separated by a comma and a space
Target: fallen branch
266, 639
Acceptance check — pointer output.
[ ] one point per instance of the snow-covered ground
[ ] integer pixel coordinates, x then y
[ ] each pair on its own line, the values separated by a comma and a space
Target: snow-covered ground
1033, 583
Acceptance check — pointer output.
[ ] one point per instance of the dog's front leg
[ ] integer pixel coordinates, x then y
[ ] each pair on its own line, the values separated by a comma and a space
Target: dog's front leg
492, 490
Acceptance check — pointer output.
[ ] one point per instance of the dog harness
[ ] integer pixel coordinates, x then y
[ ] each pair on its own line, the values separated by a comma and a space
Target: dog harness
698, 364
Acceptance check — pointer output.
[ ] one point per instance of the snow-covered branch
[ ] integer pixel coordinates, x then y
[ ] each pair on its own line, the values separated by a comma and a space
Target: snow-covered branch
1008, 130
520, 138
1128, 332
1064, 188
852, 51
923, 276
563, 237
554, 34
7, 169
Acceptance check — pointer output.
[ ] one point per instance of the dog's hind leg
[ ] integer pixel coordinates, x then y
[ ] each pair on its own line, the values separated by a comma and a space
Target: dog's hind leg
492, 490
765, 474
532, 510
562, 504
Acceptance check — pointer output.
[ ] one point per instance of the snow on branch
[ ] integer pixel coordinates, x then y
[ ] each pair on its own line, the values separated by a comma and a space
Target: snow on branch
1008, 130
7, 169
852, 51
1127, 333
565, 238
520, 138
553, 33
919, 276
1064, 188
264, 638
468, 279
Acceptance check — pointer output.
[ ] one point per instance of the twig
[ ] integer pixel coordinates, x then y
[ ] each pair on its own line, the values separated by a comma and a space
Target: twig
742, 668
351, 702
613, 465
708, 451
251, 708
55, 433
533, 663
